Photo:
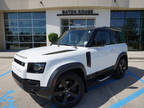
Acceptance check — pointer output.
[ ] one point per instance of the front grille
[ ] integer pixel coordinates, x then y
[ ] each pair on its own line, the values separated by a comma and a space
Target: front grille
19, 62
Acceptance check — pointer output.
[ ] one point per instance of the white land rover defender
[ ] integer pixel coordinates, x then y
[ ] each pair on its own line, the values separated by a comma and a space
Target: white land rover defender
60, 72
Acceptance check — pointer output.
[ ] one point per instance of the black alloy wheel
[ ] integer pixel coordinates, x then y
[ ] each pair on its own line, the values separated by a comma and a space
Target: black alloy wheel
121, 68
68, 91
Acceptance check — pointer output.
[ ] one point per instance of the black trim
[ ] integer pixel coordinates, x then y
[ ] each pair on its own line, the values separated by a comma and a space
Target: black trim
95, 14
106, 29
60, 70
58, 52
19, 62
119, 57
33, 87
88, 58
102, 73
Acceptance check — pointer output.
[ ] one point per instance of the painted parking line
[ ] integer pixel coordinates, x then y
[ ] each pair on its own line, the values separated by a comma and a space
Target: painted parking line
128, 99
132, 96
117, 105
5, 73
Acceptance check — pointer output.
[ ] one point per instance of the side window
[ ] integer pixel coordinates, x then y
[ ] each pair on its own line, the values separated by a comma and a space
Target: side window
118, 37
113, 38
122, 36
101, 38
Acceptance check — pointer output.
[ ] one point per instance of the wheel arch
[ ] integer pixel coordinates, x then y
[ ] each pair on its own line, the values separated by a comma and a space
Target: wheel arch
121, 55
77, 68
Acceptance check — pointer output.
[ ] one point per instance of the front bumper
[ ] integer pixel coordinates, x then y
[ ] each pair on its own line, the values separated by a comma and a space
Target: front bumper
33, 87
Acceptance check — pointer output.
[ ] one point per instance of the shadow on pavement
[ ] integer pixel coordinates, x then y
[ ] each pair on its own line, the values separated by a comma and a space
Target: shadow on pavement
100, 92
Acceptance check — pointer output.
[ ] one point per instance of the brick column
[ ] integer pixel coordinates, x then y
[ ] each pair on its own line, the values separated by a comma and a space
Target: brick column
2, 34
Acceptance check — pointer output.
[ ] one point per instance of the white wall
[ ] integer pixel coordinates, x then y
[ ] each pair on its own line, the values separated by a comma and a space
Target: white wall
53, 22
136, 3
35, 4
103, 19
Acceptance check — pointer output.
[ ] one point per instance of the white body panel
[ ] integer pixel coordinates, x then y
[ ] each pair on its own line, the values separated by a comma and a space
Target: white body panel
101, 59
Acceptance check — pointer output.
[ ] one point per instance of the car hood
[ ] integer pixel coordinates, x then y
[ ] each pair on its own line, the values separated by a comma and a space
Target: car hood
48, 50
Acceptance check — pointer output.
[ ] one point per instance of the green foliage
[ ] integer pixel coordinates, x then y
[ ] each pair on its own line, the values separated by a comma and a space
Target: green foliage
52, 37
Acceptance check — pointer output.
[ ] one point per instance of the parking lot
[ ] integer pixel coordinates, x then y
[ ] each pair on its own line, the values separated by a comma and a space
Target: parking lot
127, 92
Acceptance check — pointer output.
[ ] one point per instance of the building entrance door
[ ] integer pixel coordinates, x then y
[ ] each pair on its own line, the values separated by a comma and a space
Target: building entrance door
67, 24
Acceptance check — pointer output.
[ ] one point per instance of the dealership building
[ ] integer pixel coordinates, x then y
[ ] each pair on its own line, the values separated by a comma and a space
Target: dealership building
27, 23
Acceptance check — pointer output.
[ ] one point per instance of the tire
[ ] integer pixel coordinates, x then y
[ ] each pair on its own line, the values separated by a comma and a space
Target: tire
68, 91
120, 69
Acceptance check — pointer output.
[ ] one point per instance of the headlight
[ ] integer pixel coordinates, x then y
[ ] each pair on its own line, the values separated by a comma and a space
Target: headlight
36, 67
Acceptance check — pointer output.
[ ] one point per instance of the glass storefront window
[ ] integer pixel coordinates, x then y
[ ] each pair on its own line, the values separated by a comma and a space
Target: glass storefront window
118, 14
39, 23
39, 31
133, 14
25, 45
25, 31
131, 23
25, 38
117, 23
39, 38
11, 31
90, 22
67, 24
12, 39
25, 23
10, 16
22, 28
25, 15
39, 44
39, 15
14, 46
77, 22
11, 23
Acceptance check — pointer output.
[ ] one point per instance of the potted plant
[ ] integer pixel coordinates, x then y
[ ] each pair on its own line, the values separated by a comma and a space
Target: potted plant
53, 37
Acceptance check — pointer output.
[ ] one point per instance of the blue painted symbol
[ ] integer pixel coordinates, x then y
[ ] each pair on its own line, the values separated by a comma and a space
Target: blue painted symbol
8, 99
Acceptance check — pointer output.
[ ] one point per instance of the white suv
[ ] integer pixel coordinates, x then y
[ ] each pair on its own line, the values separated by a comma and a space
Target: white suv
60, 72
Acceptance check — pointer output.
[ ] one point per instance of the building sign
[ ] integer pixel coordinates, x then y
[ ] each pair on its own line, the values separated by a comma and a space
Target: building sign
77, 12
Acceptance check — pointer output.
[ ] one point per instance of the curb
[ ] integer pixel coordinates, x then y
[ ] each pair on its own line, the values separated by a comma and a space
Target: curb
6, 57
139, 58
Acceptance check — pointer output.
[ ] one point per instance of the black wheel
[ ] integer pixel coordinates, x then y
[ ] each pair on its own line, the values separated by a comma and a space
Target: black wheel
68, 91
121, 68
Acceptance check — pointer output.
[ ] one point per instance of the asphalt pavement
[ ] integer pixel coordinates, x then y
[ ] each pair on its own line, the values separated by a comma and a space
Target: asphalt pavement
127, 92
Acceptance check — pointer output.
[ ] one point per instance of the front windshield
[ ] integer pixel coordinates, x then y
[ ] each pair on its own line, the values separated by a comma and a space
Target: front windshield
75, 38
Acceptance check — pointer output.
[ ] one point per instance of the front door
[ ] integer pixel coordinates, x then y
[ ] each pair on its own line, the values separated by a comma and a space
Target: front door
100, 52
